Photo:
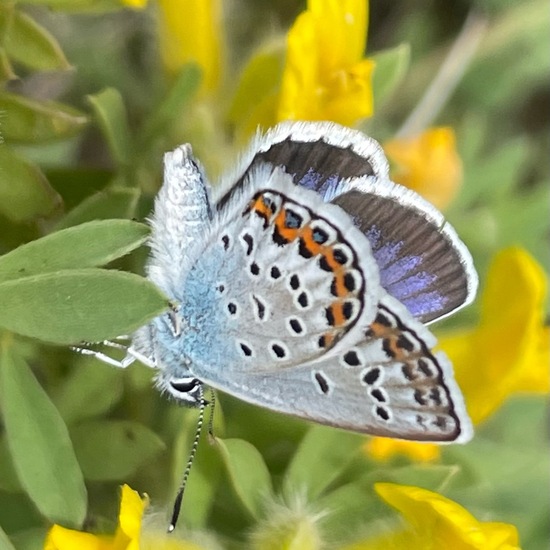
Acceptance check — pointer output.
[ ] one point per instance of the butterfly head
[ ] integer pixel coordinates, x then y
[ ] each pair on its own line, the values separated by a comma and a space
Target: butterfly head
161, 343
186, 390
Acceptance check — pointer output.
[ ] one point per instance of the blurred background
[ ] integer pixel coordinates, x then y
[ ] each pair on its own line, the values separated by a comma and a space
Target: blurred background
94, 92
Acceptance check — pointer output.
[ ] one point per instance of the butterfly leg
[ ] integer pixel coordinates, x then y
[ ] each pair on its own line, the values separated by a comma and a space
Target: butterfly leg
131, 354
103, 357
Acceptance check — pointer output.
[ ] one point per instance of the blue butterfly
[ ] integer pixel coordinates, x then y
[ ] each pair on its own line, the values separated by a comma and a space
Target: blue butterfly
302, 283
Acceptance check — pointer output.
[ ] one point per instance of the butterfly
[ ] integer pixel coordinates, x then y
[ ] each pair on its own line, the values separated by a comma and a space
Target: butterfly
303, 282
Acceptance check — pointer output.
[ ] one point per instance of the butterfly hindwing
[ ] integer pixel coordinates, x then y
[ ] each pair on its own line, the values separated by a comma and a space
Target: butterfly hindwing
388, 383
422, 261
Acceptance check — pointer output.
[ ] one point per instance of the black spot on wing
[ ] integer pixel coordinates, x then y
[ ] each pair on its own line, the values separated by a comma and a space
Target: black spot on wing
322, 382
275, 272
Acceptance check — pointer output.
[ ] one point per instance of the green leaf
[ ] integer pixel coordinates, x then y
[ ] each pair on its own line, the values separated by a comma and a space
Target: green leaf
167, 113
8, 477
514, 463
110, 113
348, 509
18, 512
92, 389
510, 474
90, 244
522, 49
390, 69
39, 442
5, 543
434, 477
30, 44
30, 539
90, 180
114, 450
248, 472
260, 78
25, 193
524, 219
501, 170
112, 203
67, 307
6, 70
322, 456
28, 120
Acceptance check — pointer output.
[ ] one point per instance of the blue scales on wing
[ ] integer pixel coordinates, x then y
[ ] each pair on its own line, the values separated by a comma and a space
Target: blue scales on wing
281, 279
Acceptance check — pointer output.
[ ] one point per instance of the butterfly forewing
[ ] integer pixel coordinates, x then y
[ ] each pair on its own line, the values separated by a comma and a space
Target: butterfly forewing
289, 275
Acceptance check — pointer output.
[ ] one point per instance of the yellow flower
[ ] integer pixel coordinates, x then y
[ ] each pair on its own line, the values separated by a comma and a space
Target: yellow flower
445, 523
509, 351
135, 4
428, 163
126, 537
325, 76
191, 31
437, 522
384, 448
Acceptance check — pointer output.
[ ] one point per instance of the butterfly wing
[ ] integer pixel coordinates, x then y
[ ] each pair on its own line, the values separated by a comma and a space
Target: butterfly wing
347, 355
277, 283
421, 260
389, 383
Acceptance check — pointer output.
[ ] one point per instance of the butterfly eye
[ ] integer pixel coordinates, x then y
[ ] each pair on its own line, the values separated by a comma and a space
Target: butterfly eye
175, 320
187, 390
184, 385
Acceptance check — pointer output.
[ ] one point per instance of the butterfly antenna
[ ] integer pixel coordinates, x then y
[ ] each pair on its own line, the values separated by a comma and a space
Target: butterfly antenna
211, 419
192, 453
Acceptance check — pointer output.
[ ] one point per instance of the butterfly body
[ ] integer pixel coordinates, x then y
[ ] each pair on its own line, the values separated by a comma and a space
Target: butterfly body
304, 285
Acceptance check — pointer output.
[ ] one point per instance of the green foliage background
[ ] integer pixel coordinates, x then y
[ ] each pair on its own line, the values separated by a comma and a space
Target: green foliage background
86, 112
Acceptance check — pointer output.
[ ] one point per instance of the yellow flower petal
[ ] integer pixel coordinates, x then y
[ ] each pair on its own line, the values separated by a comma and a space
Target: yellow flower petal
299, 83
59, 538
191, 31
442, 523
385, 448
348, 96
131, 514
536, 380
135, 4
340, 31
325, 77
428, 163
509, 351
126, 537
